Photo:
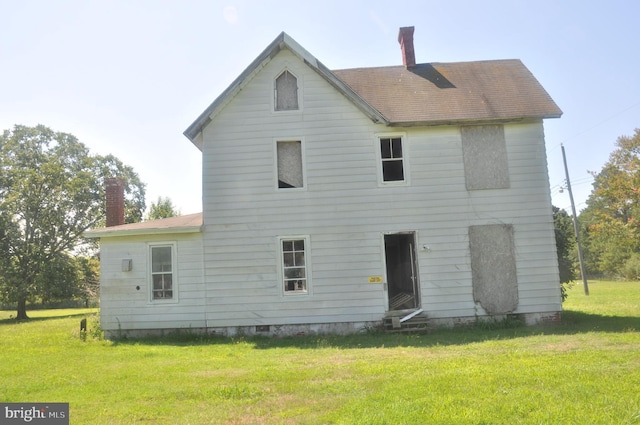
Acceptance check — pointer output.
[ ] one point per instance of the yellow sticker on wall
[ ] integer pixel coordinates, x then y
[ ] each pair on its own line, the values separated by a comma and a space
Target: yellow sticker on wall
376, 279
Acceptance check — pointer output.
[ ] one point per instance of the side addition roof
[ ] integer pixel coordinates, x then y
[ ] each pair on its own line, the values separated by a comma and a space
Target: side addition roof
191, 223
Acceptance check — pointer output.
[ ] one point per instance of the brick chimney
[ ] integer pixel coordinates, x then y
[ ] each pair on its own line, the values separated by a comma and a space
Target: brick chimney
405, 38
114, 189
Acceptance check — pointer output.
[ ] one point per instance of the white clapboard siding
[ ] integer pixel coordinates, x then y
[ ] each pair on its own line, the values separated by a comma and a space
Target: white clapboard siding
345, 212
125, 307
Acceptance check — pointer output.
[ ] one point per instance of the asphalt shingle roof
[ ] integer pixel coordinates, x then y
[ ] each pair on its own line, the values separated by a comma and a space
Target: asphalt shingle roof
182, 223
441, 93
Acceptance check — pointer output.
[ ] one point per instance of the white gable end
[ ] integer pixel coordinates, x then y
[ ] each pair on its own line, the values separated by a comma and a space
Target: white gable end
282, 42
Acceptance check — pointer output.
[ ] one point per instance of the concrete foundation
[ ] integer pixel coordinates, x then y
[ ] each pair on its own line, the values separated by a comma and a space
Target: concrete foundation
529, 319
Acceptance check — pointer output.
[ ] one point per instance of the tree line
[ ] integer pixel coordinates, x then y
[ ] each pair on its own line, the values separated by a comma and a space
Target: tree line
610, 224
51, 192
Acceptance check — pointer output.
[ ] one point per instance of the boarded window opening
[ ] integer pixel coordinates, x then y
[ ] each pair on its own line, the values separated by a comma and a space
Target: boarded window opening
392, 159
493, 268
290, 165
484, 153
286, 92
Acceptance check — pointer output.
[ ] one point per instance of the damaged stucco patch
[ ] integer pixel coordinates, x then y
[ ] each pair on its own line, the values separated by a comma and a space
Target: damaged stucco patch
493, 267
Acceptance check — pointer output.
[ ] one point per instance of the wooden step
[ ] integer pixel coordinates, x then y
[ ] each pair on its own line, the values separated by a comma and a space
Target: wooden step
415, 324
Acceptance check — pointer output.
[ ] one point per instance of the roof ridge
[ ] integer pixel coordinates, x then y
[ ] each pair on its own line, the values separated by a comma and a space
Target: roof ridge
429, 63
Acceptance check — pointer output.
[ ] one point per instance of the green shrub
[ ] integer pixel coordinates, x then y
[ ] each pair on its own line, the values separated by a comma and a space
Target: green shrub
631, 268
93, 330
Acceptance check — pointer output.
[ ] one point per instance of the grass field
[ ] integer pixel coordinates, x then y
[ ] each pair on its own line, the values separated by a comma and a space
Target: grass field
584, 371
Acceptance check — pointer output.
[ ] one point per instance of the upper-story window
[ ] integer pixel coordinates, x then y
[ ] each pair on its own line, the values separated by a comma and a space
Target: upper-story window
290, 170
392, 159
286, 92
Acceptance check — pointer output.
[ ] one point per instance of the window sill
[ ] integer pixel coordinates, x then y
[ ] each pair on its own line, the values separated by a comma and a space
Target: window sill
164, 301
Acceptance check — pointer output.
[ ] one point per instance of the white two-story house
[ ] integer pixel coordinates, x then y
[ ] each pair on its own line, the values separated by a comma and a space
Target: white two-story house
336, 200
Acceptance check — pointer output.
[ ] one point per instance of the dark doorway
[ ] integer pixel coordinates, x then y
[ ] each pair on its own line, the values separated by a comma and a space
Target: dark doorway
402, 271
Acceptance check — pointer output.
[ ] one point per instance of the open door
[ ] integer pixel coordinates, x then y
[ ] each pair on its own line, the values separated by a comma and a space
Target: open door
402, 271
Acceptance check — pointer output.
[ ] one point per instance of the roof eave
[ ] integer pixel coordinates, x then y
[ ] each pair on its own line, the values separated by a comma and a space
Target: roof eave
107, 233
463, 121
194, 130
371, 112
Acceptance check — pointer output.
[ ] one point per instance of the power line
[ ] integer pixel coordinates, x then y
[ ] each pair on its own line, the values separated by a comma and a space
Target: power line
604, 121
598, 124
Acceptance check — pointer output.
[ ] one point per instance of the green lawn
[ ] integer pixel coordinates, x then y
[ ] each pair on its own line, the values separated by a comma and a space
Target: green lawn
584, 371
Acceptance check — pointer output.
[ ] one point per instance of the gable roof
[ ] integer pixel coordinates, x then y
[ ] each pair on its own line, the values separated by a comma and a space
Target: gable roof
283, 41
191, 223
443, 93
427, 94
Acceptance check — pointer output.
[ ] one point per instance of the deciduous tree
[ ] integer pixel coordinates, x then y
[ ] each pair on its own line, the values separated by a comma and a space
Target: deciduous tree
611, 221
51, 192
565, 243
163, 208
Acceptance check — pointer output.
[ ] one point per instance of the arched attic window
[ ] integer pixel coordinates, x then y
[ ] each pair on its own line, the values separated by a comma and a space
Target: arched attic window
286, 92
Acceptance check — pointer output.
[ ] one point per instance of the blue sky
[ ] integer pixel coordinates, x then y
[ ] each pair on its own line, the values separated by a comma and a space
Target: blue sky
128, 77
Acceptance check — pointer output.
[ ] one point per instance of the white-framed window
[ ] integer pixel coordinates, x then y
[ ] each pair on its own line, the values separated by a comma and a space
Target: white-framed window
289, 164
163, 272
285, 94
294, 264
392, 157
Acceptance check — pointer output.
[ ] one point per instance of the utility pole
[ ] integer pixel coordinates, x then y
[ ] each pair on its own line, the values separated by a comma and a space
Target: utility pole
576, 228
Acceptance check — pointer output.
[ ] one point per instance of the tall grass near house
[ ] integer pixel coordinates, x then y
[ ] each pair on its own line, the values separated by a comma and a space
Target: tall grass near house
584, 371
